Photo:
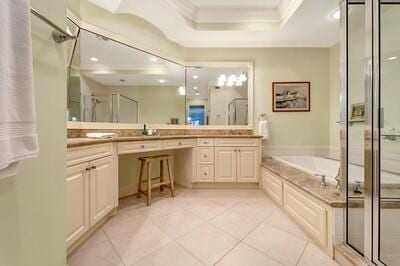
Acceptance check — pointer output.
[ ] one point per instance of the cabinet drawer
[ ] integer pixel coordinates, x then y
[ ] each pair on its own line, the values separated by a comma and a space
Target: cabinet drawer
273, 186
88, 153
203, 142
205, 155
139, 146
178, 144
311, 216
236, 142
205, 173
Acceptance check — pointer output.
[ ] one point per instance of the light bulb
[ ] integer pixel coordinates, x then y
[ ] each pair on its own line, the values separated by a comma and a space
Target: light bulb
232, 78
242, 77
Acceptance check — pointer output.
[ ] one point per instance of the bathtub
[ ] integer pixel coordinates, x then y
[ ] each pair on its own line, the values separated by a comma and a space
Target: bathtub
329, 168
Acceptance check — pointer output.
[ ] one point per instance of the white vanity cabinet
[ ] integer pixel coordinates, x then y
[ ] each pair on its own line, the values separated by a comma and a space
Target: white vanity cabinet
234, 160
91, 188
77, 201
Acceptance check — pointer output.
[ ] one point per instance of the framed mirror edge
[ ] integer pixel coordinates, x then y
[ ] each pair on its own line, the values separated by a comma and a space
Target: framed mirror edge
123, 40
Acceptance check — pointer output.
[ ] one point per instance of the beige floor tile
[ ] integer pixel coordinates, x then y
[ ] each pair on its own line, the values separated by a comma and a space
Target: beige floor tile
257, 213
206, 209
315, 256
244, 255
178, 223
280, 220
234, 223
136, 245
170, 255
207, 243
102, 254
160, 209
95, 239
277, 244
118, 225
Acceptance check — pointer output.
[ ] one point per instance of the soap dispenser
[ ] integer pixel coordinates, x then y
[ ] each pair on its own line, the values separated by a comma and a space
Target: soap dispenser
144, 130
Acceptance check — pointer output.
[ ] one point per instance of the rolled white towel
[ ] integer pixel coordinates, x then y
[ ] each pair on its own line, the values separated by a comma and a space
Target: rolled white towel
101, 135
263, 129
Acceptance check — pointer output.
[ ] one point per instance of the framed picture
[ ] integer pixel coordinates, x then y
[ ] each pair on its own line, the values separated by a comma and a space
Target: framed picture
291, 96
357, 112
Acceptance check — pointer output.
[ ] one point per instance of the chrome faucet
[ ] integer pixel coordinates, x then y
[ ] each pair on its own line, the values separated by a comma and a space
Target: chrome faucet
337, 179
357, 189
323, 180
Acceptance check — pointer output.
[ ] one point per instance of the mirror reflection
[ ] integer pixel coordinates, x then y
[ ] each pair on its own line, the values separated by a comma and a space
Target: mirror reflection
112, 82
216, 96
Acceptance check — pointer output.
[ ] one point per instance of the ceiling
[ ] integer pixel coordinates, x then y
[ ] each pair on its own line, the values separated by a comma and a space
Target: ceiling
237, 23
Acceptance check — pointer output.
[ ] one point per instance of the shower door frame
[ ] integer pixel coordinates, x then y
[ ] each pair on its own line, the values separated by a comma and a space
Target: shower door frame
373, 122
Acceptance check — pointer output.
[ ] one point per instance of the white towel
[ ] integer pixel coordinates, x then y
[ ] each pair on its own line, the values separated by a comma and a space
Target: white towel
18, 138
263, 129
100, 135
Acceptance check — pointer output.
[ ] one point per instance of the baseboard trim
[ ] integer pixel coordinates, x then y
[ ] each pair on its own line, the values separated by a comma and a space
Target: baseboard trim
225, 185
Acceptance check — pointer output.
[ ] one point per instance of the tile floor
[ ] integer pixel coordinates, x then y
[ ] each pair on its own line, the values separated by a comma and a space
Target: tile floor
200, 227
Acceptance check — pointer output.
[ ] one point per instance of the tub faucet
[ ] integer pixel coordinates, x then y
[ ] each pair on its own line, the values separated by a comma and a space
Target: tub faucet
323, 180
337, 179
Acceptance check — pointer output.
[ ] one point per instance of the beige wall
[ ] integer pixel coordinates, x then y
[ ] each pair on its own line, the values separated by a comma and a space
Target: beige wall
32, 204
310, 129
334, 99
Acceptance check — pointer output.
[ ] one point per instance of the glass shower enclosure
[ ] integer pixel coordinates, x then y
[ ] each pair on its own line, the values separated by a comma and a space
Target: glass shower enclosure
115, 108
237, 111
370, 130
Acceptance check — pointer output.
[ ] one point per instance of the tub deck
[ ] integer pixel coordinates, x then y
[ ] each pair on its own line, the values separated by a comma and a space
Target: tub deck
305, 181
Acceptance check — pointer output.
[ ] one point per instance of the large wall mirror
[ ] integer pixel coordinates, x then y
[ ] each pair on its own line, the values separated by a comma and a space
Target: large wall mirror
217, 95
110, 82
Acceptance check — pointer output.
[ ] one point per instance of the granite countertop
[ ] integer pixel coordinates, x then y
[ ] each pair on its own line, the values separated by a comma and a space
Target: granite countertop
305, 182
74, 142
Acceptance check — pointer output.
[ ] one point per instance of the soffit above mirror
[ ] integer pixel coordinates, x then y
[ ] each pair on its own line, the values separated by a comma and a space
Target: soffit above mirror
235, 23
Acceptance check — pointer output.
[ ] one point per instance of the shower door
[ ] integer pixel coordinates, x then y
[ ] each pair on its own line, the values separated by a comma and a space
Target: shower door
373, 200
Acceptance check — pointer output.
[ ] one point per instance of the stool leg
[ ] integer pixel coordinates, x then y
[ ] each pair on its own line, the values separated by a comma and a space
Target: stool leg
148, 184
161, 174
171, 178
140, 180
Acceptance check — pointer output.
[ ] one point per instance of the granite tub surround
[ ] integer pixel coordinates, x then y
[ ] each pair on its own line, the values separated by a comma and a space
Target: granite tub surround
81, 133
306, 182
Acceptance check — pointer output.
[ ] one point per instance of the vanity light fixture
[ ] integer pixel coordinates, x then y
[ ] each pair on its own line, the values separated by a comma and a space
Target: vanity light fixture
153, 59
162, 81
242, 77
94, 59
392, 58
195, 77
182, 90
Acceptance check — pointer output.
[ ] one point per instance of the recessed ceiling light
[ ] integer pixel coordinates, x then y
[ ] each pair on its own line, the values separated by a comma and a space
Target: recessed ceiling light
195, 77
162, 80
195, 88
153, 59
336, 15
122, 80
197, 93
392, 58
94, 59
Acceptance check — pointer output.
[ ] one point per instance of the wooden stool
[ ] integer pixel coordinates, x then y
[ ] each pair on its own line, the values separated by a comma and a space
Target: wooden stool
146, 162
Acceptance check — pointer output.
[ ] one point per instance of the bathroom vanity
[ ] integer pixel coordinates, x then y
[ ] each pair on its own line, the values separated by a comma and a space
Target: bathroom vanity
199, 160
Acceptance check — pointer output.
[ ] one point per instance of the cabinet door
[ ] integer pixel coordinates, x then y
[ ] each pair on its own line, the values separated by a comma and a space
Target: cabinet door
225, 164
101, 188
77, 201
247, 164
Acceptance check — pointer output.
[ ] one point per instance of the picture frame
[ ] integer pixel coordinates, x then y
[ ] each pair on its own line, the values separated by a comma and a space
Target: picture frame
291, 96
357, 113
